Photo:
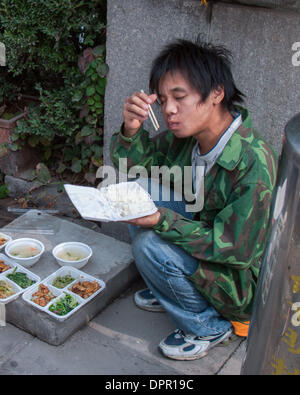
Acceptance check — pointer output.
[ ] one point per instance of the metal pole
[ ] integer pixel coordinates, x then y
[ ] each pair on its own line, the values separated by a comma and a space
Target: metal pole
273, 344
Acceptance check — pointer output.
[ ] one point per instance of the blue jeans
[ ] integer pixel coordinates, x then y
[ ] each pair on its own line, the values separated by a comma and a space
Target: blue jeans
165, 268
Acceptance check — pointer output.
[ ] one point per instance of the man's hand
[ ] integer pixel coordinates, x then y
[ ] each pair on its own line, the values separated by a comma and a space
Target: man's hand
145, 222
136, 111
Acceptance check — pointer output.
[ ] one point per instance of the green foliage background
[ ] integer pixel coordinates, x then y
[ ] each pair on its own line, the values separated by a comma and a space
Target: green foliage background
44, 41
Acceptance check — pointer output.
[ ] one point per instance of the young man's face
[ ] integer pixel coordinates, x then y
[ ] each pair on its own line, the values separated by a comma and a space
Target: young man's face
184, 113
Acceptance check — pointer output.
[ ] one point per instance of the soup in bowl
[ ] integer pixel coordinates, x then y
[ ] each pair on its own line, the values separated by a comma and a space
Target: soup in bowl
25, 251
73, 254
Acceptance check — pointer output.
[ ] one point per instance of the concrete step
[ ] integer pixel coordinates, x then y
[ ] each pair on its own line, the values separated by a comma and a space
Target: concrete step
112, 262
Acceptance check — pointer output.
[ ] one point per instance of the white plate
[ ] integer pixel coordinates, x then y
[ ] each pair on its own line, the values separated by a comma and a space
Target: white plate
77, 275
93, 204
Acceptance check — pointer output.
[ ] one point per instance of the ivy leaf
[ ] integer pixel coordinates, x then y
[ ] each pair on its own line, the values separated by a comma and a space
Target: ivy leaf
102, 70
97, 97
90, 90
77, 96
86, 131
90, 101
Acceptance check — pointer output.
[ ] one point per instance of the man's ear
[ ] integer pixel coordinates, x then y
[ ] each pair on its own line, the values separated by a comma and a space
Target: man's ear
218, 95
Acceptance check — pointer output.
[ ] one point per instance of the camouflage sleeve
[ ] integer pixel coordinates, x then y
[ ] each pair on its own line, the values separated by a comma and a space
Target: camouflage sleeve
140, 150
236, 236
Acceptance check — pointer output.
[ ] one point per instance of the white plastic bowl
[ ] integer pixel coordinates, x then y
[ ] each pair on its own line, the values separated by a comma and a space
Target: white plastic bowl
26, 262
72, 247
8, 238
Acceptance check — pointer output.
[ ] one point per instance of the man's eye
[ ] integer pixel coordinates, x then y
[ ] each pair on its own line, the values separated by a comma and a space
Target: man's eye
180, 98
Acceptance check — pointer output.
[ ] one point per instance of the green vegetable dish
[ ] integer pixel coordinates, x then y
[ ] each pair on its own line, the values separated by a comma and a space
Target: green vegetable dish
64, 305
21, 279
63, 281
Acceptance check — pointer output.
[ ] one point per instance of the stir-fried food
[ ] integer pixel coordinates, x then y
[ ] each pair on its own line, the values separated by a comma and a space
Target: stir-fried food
3, 267
42, 296
85, 288
3, 240
6, 290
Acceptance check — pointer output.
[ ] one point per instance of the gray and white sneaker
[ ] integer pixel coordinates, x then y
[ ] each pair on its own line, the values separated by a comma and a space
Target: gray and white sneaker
181, 346
145, 300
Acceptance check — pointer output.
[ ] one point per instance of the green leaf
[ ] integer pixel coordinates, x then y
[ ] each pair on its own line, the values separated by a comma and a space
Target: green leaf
14, 147
96, 97
102, 70
86, 131
98, 105
14, 137
90, 90
94, 77
4, 191
77, 96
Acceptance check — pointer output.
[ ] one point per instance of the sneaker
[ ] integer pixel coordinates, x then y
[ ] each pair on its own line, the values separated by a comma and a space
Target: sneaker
183, 347
145, 300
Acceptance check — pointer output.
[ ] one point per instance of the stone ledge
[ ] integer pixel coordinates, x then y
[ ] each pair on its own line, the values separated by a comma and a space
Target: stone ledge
112, 262
281, 4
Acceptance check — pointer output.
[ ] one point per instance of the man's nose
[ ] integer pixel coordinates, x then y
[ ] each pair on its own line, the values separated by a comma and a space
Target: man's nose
170, 107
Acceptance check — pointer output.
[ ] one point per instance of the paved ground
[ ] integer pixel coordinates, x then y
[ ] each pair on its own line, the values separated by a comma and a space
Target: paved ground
121, 340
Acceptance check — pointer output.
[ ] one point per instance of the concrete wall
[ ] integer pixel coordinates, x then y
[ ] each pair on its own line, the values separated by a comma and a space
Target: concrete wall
260, 39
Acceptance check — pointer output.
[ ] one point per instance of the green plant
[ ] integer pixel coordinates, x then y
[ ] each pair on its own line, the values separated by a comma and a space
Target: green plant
44, 37
45, 41
4, 192
67, 126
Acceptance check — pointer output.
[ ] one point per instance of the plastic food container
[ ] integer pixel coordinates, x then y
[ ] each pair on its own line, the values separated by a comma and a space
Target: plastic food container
4, 236
73, 249
116, 202
18, 290
59, 293
24, 243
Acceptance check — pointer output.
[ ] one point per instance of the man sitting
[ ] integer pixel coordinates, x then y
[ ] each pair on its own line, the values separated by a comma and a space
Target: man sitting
200, 261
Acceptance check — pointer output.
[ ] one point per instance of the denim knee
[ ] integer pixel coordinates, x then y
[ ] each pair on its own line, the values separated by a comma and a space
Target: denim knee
141, 240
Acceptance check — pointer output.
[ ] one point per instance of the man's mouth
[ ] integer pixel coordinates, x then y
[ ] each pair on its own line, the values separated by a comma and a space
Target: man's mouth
173, 125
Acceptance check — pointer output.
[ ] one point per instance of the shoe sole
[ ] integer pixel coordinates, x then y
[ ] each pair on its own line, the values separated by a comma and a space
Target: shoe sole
224, 342
187, 357
159, 309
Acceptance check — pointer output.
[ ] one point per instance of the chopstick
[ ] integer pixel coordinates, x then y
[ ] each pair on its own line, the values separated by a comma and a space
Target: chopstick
152, 116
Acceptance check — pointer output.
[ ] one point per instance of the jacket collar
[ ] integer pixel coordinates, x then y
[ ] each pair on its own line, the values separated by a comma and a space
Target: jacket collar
232, 153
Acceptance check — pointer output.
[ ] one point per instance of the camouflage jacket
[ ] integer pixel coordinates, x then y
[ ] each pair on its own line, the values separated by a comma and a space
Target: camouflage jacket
228, 236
